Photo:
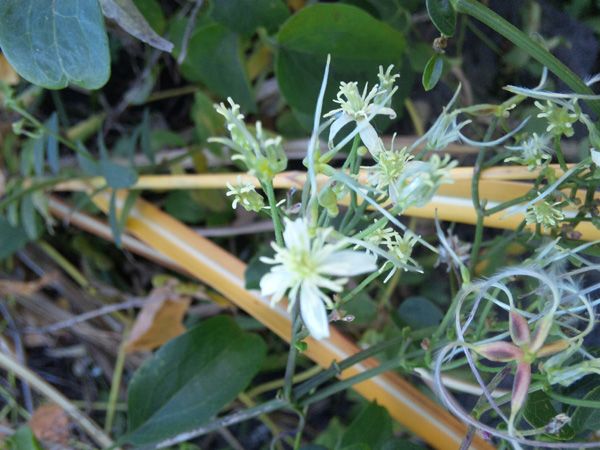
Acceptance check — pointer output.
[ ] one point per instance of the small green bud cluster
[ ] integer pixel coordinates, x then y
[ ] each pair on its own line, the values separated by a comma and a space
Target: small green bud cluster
262, 155
245, 194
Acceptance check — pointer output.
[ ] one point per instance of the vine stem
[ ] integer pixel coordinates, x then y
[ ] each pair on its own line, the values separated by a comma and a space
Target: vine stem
290, 367
479, 208
230, 419
268, 188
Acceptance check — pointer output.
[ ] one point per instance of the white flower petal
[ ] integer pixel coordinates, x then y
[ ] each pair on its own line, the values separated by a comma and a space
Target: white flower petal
370, 137
313, 311
333, 285
274, 284
296, 235
348, 263
337, 125
382, 110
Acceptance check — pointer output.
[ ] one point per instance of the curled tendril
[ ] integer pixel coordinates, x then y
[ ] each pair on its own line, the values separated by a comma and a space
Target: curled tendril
558, 300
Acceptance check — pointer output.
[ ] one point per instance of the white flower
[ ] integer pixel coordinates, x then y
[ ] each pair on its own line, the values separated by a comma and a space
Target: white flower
388, 168
245, 194
359, 108
534, 151
547, 214
420, 181
305, 266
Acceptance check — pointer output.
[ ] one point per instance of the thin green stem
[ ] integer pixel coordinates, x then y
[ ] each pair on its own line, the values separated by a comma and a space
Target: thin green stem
115, 386
17, 194
504, 205
485, 15
559, 154
479, 208
348, 382
362, 285
268, 188
276, 384
293, 353
228, 420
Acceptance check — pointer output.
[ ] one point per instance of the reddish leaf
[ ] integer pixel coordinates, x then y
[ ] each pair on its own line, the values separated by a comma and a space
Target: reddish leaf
551, 349
500, 351
520, 386
519, 329
541, 333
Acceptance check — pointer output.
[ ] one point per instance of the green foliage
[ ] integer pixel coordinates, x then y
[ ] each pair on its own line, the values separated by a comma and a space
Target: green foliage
442, 15
127, 15
585, 418
12, 238
357, 42
56, 44
370, 430
23, 439
433, 72
214, 57
245, 16
539, 412
419, 312
191, 379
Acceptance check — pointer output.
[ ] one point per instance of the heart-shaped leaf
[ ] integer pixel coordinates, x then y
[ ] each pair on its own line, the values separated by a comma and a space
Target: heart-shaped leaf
357, 43
54, 44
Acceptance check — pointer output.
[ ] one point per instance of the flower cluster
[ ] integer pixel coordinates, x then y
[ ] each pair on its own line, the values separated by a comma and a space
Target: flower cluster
533, 152
544, 213
262, 155
360, 108
406, 181
560, 118
245, 194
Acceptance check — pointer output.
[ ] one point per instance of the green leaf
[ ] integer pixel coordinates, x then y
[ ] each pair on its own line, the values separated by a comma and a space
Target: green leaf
433, 72
182, 206
153, 13
357, 42
53, 156
539, 411
145, 137
116, 175
12, 238
29, 219
245, 16
401, 444
419, 312
54, 44
443, 16
191, 379
128, 16
215, 58
372, 428
256, 268
208, 122
587, 418
24, 439
39, 152
86, 161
